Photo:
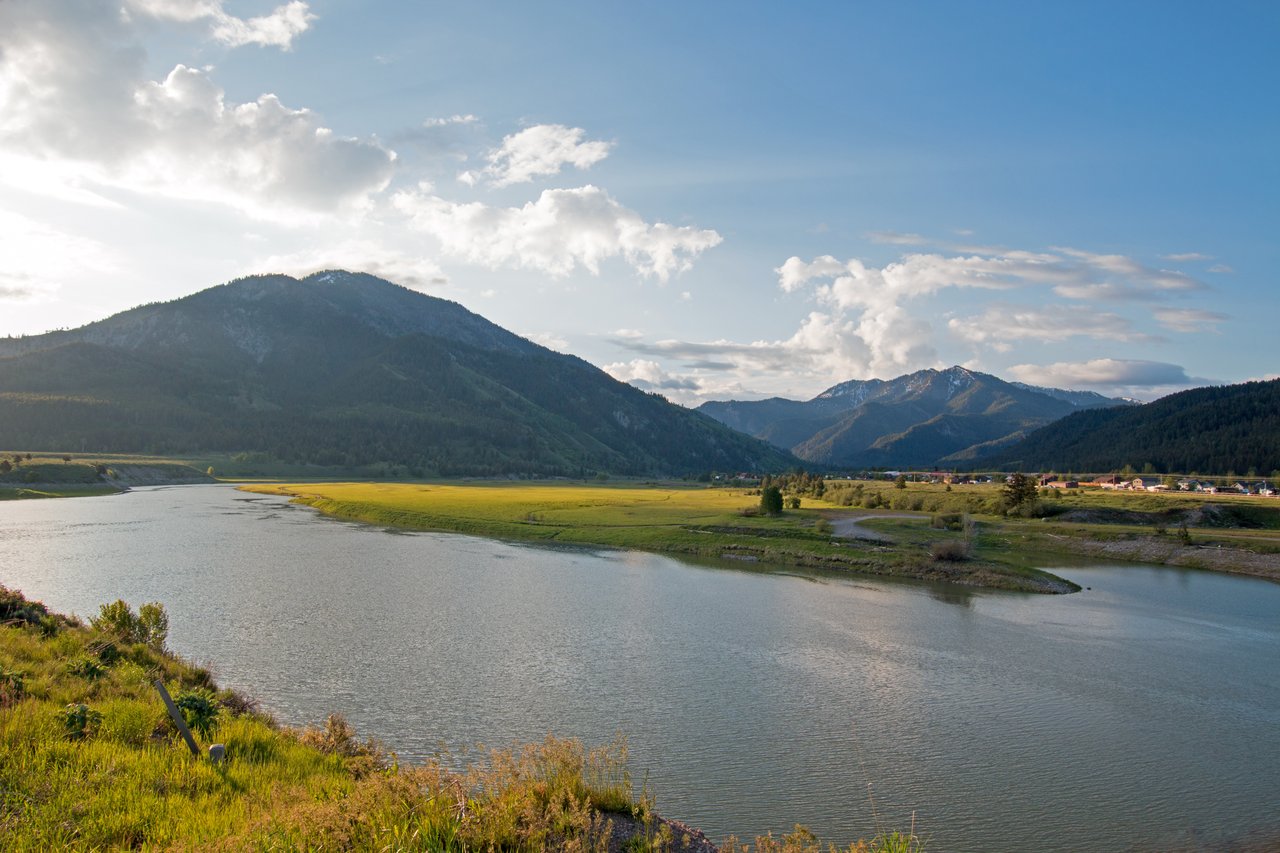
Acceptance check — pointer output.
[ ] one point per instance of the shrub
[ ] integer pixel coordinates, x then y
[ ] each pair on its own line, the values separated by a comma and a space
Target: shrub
949, 550
79, 721
150, 625
822, 526
338, 737
199, 709
86, 668
946, 521
16, 608
771, 500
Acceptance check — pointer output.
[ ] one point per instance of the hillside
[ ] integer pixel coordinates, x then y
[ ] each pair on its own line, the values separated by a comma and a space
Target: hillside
343, 369
921, 419
1216, 430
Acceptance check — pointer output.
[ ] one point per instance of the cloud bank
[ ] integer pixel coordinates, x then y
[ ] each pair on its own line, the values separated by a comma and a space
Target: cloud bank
563, 230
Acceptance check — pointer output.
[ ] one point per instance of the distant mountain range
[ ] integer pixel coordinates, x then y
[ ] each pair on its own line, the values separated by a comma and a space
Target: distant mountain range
344, 370
1216, 430
930, 417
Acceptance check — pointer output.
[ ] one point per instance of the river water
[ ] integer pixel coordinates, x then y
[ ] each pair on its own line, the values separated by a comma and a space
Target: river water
1140, 714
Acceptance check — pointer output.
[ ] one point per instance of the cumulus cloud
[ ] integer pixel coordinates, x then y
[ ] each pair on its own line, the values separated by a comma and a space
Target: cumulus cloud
1106, 374
73, 88
537, 151
880, 321
871, 327
561, 231
277, 29
649, 376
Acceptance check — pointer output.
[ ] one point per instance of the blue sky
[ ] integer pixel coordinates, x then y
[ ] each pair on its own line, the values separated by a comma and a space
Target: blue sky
711, 200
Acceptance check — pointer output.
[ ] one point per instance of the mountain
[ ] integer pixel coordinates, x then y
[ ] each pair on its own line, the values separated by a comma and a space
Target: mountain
343, 369
917, 420
1231, 428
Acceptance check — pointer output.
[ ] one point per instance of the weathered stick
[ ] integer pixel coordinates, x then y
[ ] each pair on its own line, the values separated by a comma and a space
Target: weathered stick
177, 719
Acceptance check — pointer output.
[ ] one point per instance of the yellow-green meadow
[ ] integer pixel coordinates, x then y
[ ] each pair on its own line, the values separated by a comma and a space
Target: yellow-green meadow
665, 518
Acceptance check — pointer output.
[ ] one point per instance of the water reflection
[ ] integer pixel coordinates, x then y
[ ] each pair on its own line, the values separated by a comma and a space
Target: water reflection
952, 595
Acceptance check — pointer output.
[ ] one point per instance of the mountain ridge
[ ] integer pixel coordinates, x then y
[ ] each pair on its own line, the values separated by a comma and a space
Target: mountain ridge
346, 369
919, 419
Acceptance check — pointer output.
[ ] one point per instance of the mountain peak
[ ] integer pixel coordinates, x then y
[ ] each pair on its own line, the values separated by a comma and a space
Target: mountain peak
349, 370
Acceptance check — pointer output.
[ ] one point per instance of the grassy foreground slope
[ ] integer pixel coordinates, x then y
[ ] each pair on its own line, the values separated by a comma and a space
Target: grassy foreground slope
89, 760
703, 522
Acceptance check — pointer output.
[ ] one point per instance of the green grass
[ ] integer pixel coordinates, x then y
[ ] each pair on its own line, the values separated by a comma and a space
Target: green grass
678, 519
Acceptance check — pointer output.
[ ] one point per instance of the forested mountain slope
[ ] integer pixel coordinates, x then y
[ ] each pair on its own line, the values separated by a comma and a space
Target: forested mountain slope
1215, 430
343, 369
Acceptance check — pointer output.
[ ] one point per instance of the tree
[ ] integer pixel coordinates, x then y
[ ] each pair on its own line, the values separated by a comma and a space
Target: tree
901, 482
1019, 490
5, 466
771, 500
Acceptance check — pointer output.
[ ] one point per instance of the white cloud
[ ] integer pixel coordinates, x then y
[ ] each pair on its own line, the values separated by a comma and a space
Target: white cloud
869, 326
1185, 257
73, 90
1044, 323
446, 121
1104, 373
277, 29
649, 376
1189, 319
549, 340
1221, 268
538, 151
561, 231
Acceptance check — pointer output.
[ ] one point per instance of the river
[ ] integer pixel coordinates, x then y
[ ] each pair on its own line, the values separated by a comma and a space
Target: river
1140, 714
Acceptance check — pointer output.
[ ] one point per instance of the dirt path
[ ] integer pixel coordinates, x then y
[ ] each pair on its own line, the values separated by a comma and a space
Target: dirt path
846, 525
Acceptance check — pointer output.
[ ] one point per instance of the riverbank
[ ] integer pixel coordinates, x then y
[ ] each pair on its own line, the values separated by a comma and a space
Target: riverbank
24, 477
670, 519
90, 759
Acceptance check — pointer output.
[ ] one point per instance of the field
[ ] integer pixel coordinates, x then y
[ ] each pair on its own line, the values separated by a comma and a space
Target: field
664, 518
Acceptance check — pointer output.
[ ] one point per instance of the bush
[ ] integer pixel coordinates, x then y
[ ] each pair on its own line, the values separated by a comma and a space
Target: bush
79, 721
86, 668
946, 521
771, 500
199, 709
150, 625
822, 526
949, 550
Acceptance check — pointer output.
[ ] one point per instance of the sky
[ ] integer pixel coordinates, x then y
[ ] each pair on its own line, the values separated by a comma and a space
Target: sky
712, 200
